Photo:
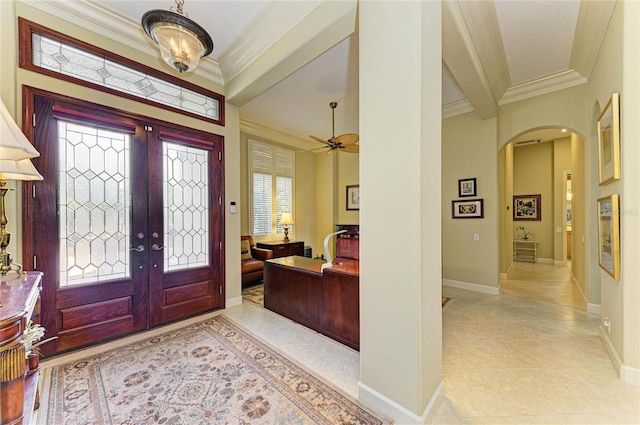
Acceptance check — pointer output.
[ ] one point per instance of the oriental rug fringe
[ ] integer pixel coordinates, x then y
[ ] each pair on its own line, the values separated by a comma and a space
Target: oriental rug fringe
212, 372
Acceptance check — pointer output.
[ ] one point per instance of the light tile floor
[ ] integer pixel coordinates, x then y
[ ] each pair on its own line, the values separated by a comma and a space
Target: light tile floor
531, 355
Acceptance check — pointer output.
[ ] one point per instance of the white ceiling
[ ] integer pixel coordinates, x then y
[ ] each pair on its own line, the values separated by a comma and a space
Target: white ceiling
523, 48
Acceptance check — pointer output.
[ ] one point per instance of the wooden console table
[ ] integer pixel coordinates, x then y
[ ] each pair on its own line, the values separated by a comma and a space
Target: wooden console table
18, 391
328, 302
283, 249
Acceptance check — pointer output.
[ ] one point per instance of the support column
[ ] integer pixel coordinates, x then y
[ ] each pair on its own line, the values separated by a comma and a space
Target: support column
400, 185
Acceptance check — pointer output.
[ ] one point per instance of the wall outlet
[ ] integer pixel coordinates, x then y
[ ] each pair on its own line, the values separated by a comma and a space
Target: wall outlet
476, 237
558, 229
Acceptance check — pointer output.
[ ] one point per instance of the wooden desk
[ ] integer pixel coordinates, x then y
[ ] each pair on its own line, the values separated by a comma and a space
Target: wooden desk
329, 302
18, 391
283, 249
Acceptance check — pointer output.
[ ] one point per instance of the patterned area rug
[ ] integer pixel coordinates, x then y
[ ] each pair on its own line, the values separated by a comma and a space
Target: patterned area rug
211, 372
255, 295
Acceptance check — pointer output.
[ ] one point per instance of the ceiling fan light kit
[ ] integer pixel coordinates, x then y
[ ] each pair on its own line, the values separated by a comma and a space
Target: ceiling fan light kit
344, 142
182, 42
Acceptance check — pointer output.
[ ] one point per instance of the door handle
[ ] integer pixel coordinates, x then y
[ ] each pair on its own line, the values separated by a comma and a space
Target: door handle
139, 248
156, 247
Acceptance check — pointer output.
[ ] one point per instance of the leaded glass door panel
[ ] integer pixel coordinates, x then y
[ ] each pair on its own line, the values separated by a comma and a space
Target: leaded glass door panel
127, 224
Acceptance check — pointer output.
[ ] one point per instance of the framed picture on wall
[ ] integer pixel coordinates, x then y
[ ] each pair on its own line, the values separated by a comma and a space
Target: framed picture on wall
467, 208
467, 187
353, 197
609, 141
609, 235
527, 208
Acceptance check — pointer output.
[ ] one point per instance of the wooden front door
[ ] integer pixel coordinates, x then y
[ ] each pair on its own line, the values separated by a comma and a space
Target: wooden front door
127, 224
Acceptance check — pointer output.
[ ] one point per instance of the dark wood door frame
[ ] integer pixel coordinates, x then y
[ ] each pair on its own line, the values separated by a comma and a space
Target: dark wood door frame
131, 306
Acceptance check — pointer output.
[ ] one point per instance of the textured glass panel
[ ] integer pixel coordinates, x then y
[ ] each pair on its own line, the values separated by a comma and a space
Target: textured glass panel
94, 204
186, 206
78, 63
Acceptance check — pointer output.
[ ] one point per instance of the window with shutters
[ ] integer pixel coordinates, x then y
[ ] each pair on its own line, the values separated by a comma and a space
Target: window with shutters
271, 180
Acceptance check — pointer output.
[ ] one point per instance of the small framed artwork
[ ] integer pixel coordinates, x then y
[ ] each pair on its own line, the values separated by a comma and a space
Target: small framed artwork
353, 197
609, 235
527, 208
467, 187
467, 208
609, 141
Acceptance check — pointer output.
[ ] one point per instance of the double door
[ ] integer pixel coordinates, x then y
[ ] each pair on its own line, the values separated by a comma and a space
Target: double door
127, 225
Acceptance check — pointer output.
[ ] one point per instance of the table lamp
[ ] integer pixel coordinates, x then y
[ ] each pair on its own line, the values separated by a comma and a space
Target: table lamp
286, 220
15, 164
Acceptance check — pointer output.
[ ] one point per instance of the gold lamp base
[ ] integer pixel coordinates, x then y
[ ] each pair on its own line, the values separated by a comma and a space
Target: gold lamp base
6, 264
286, 234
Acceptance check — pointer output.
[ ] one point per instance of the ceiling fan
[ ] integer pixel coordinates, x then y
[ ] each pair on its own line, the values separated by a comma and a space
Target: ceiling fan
344, 142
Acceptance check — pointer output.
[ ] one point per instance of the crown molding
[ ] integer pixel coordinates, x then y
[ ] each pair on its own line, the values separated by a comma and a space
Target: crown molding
103, 21
548, 84
271, 24
593, 21
481, 19
456, 108
276, 135
464, 63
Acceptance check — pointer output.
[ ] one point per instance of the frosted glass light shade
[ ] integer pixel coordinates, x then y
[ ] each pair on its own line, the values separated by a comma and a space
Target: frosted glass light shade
182, 42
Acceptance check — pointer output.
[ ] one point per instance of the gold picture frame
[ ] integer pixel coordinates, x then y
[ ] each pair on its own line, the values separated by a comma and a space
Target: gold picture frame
609, 235
609, 141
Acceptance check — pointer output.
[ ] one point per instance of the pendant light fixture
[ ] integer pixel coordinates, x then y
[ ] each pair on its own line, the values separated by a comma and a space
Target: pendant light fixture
182, 42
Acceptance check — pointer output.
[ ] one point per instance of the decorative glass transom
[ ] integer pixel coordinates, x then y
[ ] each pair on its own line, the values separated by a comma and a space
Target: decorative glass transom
186, 206
94, 204
68, 60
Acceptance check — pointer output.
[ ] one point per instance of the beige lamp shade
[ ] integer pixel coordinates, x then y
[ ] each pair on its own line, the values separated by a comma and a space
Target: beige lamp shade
18, 170
286, 219
14, 145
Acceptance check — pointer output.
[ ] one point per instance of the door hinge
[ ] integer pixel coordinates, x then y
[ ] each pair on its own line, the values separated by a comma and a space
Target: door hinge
220, 289
33, 190
33, 120
220, 245
219, 156
35, 262
219, 200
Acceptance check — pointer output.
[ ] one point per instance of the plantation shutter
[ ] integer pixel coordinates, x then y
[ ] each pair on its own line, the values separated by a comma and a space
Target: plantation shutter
271, 177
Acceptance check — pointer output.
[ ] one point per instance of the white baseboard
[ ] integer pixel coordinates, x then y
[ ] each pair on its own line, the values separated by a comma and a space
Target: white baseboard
611, 351
594, 308
505, 276
628, 374
492, 290
232, 302
562, 263
544, 260
394, 411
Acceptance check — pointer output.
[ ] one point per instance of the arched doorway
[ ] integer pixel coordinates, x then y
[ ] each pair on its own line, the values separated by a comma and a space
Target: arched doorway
539, 161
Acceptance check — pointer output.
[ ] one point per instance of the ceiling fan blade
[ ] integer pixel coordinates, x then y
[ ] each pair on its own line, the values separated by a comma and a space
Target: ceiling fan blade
351, 149
348, 139
317, 139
